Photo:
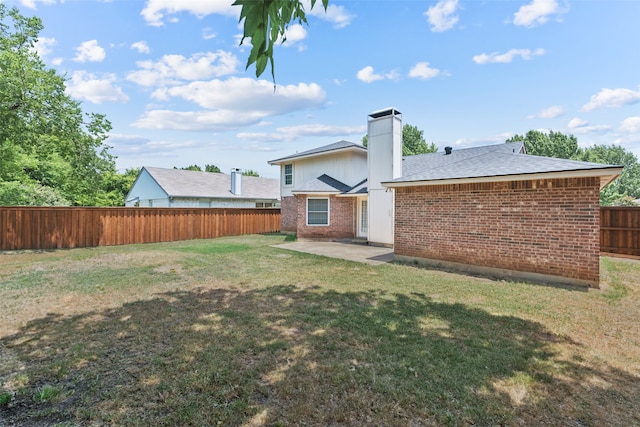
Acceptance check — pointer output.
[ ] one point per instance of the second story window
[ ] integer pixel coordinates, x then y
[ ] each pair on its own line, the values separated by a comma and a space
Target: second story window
288, 174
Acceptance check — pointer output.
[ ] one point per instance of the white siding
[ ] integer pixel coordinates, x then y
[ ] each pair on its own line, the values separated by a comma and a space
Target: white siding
384, 164
349, 168
146, 189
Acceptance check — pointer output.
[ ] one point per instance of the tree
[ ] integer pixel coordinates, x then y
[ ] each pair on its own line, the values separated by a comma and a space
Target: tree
412, 141
627, 186
46, 140
250, 172
195, 168
267, 21
553, 144
211, 168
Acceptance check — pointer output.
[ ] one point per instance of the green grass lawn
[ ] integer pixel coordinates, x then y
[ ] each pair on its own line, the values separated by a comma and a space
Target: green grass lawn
235, 332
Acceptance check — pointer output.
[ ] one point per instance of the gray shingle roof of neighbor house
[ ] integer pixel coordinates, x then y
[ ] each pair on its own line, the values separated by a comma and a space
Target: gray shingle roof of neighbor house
186, 183
336, 146
490, 163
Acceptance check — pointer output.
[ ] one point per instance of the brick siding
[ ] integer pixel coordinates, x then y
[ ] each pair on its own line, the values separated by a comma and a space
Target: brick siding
548, 227
289, 214
342, 219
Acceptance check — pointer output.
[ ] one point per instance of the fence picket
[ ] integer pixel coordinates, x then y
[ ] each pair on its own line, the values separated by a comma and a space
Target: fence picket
26, 227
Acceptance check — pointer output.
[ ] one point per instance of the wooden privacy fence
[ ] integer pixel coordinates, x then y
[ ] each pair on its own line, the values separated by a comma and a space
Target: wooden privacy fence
620, 230
74, 227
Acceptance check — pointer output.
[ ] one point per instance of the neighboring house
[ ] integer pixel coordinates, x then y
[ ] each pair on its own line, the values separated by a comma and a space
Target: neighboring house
160, 187
494, 209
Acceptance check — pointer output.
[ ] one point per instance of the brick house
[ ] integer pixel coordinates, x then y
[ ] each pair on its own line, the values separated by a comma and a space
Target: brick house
492, 209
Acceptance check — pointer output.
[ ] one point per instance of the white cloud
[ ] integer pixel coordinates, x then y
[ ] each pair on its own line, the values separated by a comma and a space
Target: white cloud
577, 122
208, 33
334, 14
594, 129
135, 145
231, 104
507, 57
422, 70
87, 86
630, 125
155, 10
442, 16
173, 69
33, 4
90, 51
537, 13
247, 94
44, 45
294, 133
548, 113
612, 98
141, 47
367, 75
295, 33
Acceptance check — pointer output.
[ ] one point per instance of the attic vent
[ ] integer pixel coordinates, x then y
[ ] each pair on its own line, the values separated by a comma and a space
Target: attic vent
447, 150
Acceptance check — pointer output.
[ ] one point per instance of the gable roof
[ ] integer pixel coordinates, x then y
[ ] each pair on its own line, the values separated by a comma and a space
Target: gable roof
324, 184
500, 162
335, 147
194, 184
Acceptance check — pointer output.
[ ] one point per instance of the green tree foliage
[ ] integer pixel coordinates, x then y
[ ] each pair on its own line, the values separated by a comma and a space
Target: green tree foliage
413, 141
266, 22
627, 186
46, 141
552, 144
196, 168
16, 193
250, 172
622, 191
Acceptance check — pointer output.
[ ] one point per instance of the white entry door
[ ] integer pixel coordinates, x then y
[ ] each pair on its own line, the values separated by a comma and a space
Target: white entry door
363, 218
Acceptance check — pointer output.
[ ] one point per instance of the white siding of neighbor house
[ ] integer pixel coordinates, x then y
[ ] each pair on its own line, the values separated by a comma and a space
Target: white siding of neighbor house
347, 167
212, 203
147, 189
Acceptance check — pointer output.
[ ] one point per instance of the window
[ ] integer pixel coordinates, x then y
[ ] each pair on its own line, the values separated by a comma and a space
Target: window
317, 211
288, 174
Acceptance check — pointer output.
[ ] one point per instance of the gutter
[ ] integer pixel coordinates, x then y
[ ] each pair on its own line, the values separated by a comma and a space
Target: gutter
612, 173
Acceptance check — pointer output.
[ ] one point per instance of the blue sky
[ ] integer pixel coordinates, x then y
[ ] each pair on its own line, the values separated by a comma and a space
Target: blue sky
170, 74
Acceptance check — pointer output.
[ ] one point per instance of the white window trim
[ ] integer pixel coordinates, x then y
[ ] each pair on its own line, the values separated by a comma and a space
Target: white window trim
328, 212
284, 173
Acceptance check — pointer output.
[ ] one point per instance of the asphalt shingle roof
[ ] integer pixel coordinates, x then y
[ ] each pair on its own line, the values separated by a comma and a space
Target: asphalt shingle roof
489, 161
185, 183
323, 184
340, 145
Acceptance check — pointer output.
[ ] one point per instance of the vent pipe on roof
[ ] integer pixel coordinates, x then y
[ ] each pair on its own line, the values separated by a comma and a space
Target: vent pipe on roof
236, 181
447, 150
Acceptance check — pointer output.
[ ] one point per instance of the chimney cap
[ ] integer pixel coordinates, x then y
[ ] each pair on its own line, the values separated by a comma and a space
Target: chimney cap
391, 111
447, 150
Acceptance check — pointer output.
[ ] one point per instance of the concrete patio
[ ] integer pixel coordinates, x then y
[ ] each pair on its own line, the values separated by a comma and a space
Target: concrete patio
372, 255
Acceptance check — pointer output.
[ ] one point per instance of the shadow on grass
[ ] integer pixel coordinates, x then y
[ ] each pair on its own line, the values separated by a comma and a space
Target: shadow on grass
289, 356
